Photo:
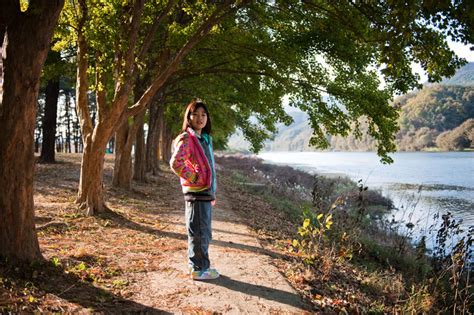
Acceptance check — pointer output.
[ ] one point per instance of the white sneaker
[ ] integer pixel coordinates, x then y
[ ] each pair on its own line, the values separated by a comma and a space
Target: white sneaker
208, 274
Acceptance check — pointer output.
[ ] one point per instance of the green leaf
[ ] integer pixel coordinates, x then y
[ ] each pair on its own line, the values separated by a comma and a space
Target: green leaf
81, 266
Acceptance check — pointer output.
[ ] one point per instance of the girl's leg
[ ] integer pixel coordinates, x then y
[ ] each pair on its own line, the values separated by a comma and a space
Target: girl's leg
198, 224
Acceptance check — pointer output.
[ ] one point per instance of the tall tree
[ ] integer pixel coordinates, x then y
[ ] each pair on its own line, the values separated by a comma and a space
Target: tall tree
153, 136
48, 149
49, 121
139, 163
25, 36
125, 137
344, 43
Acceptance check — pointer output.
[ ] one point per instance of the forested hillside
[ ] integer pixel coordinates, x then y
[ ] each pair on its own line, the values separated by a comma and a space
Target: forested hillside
439, 116
436, 116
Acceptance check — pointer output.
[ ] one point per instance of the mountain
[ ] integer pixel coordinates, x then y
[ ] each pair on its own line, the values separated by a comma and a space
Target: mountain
294, 137
425, 115
463, 77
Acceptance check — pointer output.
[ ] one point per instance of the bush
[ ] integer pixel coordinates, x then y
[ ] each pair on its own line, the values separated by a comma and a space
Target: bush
457, 139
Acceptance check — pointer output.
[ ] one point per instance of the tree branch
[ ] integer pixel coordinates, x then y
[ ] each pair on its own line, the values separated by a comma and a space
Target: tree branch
134, 27
81, 83
221, 12
100, 90
149, 37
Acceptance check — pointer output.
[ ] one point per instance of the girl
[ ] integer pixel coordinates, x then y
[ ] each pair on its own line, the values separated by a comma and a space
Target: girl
193, 162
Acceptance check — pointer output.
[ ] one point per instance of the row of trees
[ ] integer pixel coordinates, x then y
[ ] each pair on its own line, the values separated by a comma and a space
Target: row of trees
458, 138
140, 61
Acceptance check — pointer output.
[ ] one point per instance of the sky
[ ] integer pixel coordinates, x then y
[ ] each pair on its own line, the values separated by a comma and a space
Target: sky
462, 50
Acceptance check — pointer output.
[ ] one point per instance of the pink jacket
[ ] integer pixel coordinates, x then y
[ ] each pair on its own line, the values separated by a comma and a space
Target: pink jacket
190, 163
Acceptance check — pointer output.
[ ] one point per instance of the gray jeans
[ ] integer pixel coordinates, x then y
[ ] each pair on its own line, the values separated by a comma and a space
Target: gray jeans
198, 225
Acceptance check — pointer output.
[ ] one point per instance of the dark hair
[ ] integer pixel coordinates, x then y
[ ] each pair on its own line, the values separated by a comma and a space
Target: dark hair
191, 108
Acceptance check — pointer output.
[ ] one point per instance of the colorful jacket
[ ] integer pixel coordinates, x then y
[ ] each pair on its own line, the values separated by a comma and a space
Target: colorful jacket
189, 162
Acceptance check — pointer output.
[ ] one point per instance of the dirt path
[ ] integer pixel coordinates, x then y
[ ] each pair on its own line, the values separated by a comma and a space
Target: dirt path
249, 283
134, 257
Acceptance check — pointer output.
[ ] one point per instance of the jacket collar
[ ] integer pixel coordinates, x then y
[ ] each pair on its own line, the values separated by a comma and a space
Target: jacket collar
204, 135
194, 133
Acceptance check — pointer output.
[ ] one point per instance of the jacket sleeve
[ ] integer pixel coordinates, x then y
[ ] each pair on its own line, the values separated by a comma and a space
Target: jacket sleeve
180, 161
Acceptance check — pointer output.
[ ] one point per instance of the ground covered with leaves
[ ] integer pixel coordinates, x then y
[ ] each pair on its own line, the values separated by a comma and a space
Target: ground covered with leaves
90, 262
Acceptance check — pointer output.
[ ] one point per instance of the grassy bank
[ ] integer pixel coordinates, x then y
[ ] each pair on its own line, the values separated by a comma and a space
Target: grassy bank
338, 250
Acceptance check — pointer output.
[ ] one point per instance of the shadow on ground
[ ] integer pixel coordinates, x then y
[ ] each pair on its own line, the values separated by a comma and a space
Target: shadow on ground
126, 223
44, 278
260, 291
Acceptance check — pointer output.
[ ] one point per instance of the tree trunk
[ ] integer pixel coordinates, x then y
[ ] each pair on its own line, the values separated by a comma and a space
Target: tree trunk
152, 144
160, 120
27, 38
124, 138
76, 124
67, 114
149, 138
48, 149
166, 141
123, 157
109, 116
91, 196
139, 173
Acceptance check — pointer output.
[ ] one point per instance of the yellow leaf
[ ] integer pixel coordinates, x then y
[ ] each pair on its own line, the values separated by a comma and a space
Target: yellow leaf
320, 216
328, 218
306, 223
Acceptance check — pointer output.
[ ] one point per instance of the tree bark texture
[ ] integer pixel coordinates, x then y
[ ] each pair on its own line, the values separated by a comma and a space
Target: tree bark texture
139, 170
95, 138
91, 191
123, 157
91, 195
48, 149
125, 137
166, 142
27, 39
153, 138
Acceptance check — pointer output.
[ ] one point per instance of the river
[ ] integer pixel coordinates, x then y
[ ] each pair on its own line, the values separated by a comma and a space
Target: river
421, 184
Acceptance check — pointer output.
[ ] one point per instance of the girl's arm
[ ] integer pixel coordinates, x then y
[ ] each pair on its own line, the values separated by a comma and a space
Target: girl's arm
180, 161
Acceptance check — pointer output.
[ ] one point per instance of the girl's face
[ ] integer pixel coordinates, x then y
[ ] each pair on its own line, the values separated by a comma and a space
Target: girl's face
198, 119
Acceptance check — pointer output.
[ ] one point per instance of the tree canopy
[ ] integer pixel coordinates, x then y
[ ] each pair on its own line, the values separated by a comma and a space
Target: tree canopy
328, 57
